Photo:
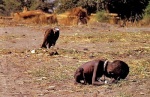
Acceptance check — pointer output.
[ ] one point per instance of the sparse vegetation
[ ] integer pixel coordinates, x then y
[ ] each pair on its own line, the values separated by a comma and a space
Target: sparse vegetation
146, 17
27, 70
53, 74
101, 16
122, 94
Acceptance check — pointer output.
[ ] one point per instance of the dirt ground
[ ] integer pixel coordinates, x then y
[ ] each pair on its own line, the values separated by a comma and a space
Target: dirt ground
26, 70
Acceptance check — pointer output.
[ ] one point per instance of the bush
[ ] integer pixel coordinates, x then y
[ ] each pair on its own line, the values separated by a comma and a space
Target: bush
147, 10
9, 6
101, 16
64, 5
146, 16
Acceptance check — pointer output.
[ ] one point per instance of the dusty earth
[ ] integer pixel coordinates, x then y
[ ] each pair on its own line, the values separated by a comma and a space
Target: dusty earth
28, 71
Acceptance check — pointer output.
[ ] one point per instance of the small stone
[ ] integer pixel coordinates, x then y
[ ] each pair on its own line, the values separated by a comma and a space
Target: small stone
33, 51
141, 93
51, 88
86, 49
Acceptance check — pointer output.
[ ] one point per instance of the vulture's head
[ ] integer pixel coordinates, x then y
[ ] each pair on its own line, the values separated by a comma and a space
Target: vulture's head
56, 31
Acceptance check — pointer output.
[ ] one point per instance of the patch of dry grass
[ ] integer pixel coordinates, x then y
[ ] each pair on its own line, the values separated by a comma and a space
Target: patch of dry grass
139, 63
58, 70
140, 68
9, 37
107, 37
138, 53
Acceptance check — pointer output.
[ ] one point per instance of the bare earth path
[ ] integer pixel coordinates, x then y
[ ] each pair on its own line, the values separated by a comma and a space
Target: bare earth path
24, 73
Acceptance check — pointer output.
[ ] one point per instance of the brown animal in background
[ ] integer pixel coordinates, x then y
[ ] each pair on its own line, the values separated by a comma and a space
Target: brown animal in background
82, 17
50, 37
91, 71
78, 15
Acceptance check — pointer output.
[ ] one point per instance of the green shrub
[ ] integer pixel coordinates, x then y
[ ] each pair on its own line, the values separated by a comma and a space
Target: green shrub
101, 16
147, 10
9, 6
146, 16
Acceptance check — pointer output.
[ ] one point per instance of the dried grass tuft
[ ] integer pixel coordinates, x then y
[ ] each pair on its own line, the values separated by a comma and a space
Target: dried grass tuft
34, 16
